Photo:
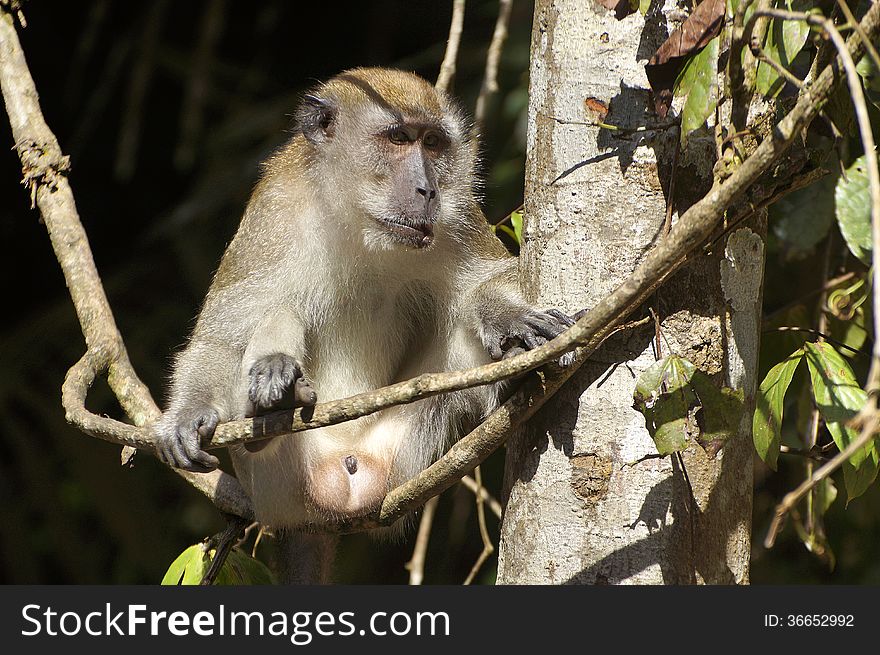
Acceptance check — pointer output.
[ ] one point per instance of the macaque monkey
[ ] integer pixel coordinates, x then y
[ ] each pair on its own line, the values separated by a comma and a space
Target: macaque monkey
362, 259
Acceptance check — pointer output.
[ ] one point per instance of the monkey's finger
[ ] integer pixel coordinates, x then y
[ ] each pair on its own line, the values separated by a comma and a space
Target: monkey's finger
194, 458
163, 451
567, 359
495, 351
174, 454
530, 340
513, 352
565, 319
303, 394
547, 330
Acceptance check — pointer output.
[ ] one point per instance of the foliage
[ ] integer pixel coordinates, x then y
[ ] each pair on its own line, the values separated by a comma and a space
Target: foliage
817, 282
682, 405
239, 568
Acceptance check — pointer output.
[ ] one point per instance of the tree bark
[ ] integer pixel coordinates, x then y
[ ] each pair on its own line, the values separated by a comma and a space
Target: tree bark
583, 503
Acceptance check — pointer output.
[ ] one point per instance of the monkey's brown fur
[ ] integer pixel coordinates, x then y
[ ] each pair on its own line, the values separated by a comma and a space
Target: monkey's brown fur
362, 259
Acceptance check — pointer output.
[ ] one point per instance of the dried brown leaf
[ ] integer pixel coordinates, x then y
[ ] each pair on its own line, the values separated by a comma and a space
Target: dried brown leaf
701, 27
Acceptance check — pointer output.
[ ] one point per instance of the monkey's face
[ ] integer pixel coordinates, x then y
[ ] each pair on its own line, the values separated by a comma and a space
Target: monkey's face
404, 196
402, 148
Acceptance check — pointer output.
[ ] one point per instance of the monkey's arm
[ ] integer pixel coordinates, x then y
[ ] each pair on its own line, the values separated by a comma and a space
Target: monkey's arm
218, 378
508, 324
204, 375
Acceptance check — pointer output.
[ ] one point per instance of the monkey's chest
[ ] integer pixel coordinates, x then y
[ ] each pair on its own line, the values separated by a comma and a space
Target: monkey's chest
366, 345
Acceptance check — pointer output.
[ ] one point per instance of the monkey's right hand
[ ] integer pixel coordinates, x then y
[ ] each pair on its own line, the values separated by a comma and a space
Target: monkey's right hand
178, 439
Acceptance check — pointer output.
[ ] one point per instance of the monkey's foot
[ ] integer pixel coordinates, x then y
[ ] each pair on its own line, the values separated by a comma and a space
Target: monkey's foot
276, 382
178, 439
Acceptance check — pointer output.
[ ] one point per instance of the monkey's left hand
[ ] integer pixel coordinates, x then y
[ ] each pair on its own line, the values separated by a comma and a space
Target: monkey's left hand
512, 334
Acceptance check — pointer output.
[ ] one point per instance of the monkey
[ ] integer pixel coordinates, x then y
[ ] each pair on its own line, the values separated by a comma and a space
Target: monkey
363, 258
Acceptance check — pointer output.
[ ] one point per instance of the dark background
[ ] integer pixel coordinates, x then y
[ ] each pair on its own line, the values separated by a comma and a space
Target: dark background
160, 200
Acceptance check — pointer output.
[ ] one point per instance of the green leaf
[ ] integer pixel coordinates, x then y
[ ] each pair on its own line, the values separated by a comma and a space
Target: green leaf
667, 402
242, 569
838, 395
825, 495
852, 332
812, 532
767, 423
681, 403
784, 39
701, 84
189, 567
853, 205
802, 218
721, 411
869, 73
644, 6
858, 480
516, 220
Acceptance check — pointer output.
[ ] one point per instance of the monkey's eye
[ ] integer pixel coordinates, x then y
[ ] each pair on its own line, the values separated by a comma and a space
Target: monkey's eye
432, 140
398, 136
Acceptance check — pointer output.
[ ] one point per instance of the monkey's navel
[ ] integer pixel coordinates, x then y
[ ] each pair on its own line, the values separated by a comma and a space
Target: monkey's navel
351, 464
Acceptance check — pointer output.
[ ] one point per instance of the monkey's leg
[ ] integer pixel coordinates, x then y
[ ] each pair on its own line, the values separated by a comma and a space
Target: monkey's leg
305, 557
276, 382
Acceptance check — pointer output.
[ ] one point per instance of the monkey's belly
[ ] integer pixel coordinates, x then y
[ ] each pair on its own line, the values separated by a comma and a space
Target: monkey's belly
321, 475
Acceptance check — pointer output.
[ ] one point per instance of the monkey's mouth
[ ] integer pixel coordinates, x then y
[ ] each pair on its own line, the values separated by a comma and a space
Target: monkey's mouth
418, 236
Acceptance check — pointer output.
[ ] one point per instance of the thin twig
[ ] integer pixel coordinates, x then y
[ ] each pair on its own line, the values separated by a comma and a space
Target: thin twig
192, 111
851, 19
416, 564
795, 184
868, 432
471, 484
44, 168
670, 193
867, 136
741, 69
817, 333
619, 130
781, 70
812, 454
493, 56
833, 282
488, 548
139, 83
447, 68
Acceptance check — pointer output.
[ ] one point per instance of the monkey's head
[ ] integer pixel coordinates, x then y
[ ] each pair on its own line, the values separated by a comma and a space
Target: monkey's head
392, 153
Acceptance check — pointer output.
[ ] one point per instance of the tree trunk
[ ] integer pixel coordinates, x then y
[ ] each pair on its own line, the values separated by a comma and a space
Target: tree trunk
583, 505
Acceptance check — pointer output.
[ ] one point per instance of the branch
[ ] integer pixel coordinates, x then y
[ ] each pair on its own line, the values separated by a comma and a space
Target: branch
222, 544
416, 564
493, 56
691, 230
869, 431
471, 484
867, 136
447, 68
44, 168
488, 548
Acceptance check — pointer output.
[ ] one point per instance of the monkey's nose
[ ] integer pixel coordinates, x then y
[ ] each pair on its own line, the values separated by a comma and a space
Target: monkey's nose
429, 194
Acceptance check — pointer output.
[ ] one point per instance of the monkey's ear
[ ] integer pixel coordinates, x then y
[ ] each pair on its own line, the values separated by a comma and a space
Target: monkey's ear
316, 118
